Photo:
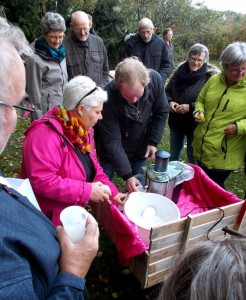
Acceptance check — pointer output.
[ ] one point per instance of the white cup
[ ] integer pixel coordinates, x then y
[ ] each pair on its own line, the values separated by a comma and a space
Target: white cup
105, 187
73, 219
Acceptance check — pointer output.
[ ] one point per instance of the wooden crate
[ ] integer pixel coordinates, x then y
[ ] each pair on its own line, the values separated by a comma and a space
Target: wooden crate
169, 240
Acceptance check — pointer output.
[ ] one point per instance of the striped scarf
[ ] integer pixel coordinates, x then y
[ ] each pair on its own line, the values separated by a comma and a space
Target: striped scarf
74, 128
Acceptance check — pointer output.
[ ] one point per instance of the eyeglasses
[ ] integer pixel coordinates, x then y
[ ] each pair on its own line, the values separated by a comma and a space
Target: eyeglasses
55, 37
90, 92
23, 110
237, 71
198, 60
79, 30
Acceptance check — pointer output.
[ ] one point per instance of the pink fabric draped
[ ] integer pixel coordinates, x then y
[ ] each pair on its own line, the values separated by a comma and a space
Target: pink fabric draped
123, 233
201, 194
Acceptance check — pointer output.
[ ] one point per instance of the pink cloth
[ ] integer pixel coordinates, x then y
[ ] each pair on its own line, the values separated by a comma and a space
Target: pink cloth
123, 233
201, 194
56, 174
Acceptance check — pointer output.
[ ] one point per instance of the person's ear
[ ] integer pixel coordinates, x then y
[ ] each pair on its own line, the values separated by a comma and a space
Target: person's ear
80, 110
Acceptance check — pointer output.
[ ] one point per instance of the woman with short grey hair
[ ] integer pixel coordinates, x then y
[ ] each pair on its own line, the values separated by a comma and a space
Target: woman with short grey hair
220, 110
46, 70
59, 156
74, 94
52, 21
182, 91
197, 49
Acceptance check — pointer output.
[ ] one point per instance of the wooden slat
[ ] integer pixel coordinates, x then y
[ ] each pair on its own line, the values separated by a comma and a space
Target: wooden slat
203, 228
215, 214
187, 231
156, 278
241, 217
168, 240
163, 264
168, 229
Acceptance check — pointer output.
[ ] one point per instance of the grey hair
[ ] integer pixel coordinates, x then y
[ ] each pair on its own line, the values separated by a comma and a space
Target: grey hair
234, 54
145, 23
209, 270
77, 88
129, 71
10, 36
52, 21
197, 49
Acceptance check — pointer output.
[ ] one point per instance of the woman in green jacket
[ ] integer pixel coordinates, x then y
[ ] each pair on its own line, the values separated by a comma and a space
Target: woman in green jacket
220, 109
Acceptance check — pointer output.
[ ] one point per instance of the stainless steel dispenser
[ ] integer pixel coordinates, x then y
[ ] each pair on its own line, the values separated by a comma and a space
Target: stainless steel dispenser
161, 176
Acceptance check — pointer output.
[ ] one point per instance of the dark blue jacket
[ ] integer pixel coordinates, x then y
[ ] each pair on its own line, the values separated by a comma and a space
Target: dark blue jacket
153, 54
29, 254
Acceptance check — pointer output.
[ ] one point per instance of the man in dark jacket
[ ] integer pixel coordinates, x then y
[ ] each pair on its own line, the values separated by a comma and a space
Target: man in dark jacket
133, 121
86, 53
37, 261
149, 48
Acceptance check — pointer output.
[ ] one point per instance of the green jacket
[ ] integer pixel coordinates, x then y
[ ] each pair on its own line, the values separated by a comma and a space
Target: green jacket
222, 106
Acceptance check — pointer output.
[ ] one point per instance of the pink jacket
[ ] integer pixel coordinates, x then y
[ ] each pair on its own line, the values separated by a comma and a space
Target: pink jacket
56, 174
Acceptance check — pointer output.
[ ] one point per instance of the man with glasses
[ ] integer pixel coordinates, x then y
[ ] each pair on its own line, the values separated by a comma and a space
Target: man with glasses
149, 48
86, 53
35, 261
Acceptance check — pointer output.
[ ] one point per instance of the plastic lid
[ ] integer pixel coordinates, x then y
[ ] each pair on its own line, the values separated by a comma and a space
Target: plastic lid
162, 154
173, 170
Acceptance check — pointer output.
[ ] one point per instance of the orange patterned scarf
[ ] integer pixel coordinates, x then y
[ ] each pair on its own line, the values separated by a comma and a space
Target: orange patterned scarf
74, 128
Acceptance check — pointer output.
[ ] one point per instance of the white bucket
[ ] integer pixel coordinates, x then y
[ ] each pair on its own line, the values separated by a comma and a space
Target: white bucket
149, 210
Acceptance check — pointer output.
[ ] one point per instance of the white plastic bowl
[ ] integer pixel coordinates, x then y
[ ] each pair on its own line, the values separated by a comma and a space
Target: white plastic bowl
148, 210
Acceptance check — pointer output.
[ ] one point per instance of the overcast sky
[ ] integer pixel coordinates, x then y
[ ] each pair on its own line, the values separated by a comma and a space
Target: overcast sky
234, 5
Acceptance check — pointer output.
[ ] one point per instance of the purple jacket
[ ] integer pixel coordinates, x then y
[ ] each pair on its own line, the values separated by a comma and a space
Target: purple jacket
56, 174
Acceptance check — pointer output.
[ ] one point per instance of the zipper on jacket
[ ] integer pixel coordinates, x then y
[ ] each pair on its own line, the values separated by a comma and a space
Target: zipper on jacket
223, 94
225, 106
224, 148
48, 101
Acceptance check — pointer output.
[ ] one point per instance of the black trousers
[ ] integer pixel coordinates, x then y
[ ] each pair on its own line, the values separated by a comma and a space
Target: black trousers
218, 176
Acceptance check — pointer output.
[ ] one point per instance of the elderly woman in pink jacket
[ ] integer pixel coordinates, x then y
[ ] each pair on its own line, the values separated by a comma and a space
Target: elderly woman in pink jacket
58, 152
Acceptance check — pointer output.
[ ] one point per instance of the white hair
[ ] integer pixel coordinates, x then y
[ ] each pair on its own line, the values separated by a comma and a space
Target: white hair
10, 36
77, 88
145, 23
12, 43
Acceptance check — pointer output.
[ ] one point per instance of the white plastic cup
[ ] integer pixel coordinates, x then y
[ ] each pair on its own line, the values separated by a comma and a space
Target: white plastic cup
140, 188
73, 219
105, 187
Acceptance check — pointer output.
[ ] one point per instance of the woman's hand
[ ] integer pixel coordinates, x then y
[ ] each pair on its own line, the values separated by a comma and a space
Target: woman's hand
172, 106
182, 109
99, 192
120, 197
199, 116
231, 129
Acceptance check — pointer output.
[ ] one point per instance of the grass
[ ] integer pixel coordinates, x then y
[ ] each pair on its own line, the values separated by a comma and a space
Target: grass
106, 279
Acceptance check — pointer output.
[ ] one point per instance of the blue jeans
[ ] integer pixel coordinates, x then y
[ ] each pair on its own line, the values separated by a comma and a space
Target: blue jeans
177, 139
136, 169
